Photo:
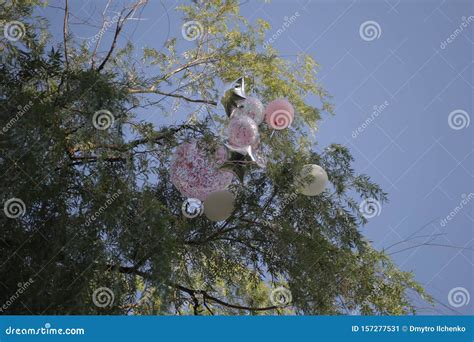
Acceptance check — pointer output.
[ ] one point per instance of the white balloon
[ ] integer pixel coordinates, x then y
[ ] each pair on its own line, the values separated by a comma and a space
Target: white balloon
312, 180
219, 205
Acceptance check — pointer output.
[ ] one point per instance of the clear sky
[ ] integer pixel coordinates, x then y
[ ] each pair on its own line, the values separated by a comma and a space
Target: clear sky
401, 76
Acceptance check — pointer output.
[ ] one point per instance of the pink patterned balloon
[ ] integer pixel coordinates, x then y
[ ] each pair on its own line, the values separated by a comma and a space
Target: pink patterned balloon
243, 131
279, 114
251, 107
195, 173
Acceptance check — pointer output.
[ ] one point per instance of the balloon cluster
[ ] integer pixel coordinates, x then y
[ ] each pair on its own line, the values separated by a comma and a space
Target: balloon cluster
203, 173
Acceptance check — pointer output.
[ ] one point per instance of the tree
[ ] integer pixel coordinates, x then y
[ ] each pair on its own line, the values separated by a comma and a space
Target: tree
101, 229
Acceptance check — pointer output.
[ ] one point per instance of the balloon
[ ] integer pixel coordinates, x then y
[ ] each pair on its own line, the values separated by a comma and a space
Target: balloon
233, 93
196, 172
219, 205
192, 207
312, 180
242, 132
251, 107
279, 114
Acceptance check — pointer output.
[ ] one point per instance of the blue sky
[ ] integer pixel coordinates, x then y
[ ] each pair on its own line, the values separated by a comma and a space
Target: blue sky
415, 77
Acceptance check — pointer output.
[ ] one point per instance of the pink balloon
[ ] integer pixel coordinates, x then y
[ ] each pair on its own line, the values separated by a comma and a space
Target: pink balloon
279, 114
251, 107
195, 172
243, 131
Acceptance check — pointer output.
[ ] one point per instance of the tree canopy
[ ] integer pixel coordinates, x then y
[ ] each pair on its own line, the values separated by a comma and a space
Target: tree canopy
100, 210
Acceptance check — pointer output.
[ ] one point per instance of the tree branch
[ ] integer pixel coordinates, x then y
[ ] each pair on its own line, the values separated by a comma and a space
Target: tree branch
191, 292
65, 32
119, 27
152, 90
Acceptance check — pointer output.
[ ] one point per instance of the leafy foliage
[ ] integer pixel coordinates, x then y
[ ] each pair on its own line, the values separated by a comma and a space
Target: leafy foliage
101, 211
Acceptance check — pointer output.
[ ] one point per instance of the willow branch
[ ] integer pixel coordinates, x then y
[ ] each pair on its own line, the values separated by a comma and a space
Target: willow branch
179, 96
189, 291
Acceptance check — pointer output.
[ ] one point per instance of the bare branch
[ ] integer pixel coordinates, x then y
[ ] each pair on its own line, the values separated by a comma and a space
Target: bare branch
97, 43
179, 96
118, 29
66, 32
